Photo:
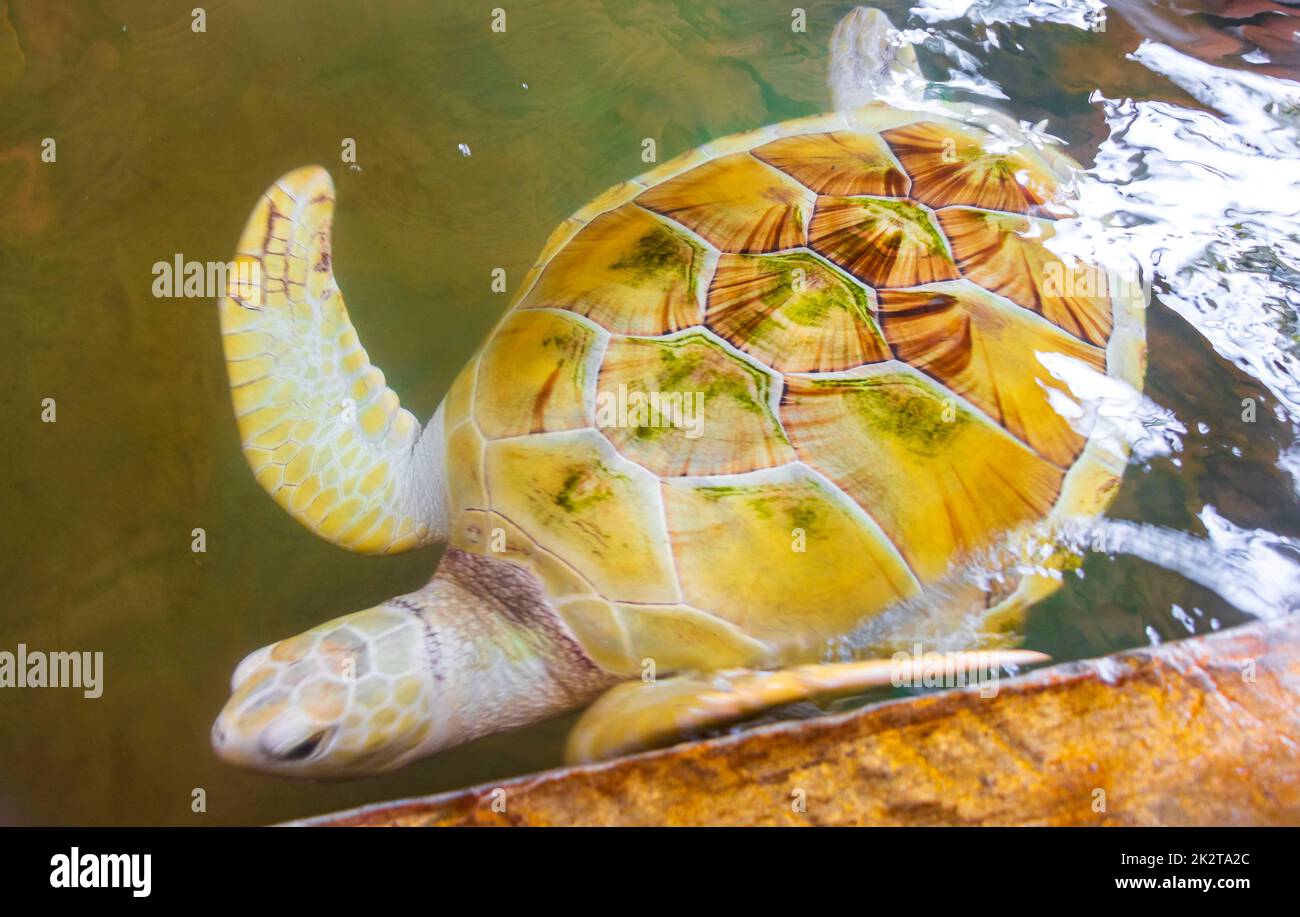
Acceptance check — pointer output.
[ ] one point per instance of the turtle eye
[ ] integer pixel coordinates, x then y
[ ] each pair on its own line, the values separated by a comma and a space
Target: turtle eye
304, 749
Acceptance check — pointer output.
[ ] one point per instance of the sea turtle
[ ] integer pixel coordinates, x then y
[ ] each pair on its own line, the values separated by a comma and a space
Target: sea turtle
741, 405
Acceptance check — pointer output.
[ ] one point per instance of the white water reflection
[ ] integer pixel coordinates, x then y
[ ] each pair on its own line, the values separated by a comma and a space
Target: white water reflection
1253, 570
1082, 14
1206, 203
1209, 203
1121, 420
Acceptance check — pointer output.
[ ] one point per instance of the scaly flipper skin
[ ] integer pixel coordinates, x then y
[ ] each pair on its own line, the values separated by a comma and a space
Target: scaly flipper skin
636, 716
322, 432
870, 60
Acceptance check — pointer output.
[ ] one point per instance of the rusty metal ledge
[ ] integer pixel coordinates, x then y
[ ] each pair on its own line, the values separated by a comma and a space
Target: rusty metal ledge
1201, 732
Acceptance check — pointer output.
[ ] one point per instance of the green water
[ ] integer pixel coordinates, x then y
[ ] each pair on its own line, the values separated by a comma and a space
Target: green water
165, 138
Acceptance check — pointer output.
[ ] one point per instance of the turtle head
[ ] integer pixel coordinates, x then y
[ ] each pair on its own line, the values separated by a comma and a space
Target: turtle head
352, 696
476, 651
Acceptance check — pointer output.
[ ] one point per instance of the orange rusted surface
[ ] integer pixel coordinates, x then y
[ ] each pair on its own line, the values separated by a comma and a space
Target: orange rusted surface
1205, 731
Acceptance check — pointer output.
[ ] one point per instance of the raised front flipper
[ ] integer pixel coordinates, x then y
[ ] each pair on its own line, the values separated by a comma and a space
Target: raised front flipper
636, 716
322, 432
870, 60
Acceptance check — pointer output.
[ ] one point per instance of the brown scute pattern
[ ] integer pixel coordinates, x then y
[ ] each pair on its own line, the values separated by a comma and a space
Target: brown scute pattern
940, 481
627, 271
793, 313
683, 381
883, 243
737, 203
841, 163
906, 355
1006, 254
969, 342
955, 166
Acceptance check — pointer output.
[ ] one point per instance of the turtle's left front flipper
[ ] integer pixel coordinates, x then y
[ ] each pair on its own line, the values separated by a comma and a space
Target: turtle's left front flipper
636, 716
323, 433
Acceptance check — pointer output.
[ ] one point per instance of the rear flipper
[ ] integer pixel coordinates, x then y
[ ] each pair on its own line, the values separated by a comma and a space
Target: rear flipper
636, 716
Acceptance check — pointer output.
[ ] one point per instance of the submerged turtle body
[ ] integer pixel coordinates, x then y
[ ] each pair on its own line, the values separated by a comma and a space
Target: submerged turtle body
742, 412
832, 328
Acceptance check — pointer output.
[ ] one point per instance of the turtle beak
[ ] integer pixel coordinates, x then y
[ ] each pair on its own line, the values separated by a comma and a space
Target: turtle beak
223, 736
269, 734
255, 701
